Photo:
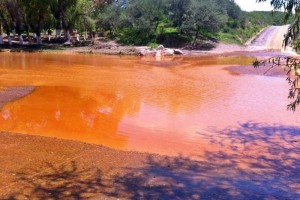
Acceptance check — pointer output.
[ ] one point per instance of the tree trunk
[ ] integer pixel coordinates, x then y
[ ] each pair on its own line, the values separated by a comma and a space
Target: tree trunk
195, 39
19, 32
29, 38
38, 31
21, 41
9, 40
58, 34
58, 26
1, 37
38, 36
85, 36
38, 39
67, 36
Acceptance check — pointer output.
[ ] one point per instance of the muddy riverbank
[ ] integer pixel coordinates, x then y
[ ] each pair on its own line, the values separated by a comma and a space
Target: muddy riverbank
112, 48
269, 39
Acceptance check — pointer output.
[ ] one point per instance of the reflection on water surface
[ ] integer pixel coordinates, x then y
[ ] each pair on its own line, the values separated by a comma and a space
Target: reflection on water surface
131, 103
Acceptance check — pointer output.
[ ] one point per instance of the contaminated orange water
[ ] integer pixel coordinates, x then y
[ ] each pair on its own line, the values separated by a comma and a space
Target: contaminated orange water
180, 105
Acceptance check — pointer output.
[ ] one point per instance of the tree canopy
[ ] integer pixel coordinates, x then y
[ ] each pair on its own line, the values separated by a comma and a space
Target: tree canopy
124, 20
138, 22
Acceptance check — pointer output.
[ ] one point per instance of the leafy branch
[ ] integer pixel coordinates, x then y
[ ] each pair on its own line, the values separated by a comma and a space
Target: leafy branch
292, 66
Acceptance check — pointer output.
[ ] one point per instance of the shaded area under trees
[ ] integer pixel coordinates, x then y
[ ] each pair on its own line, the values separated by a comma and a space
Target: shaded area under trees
257, 161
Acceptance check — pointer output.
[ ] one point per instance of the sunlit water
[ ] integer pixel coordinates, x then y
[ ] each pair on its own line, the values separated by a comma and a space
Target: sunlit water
173, 106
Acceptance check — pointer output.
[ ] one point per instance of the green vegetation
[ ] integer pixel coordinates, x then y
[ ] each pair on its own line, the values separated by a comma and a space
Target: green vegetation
239, 35
253, 22
138, 22
183, 22
267, 18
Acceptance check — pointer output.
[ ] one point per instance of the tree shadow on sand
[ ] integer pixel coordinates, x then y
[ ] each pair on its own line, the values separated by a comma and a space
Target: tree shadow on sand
259, 161
66, 181
256, 162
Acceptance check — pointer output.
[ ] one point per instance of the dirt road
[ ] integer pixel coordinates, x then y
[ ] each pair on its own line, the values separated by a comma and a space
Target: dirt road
270, 39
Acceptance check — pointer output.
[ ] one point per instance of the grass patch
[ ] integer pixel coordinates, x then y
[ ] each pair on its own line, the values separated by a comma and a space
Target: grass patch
239, 36
153, 45
229, 38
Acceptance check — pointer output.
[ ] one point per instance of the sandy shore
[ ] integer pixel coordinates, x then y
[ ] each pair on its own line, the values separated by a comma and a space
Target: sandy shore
111, 48
36, 167
39, 167
13, 93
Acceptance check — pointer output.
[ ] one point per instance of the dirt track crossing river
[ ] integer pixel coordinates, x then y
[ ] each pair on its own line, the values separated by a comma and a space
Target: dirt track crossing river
270, 39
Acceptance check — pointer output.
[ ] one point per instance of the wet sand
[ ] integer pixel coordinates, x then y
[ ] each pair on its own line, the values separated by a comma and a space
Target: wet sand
9, 94
262, 70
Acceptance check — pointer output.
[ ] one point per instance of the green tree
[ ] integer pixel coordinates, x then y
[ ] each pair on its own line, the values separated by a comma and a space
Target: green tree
15, 12
110, 18
142, 20
202, 18
178, 11
6, 20
69, 15
84, 22
38, 12
72, 13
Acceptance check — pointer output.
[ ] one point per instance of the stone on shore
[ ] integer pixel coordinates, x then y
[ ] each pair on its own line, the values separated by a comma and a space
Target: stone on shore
160, 50
168, 52
160, 47
178, 52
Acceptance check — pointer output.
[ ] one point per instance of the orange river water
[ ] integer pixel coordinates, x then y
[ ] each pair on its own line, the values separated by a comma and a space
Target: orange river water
180, 105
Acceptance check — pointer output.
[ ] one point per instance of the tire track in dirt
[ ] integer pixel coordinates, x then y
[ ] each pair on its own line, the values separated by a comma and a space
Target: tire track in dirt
270, 39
